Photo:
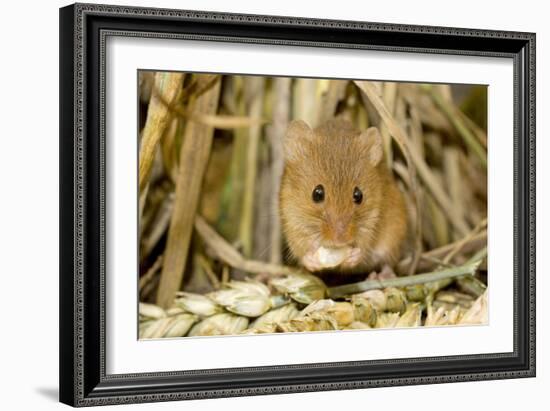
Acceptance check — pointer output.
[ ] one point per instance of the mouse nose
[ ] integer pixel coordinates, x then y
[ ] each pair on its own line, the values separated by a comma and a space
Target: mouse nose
341, 233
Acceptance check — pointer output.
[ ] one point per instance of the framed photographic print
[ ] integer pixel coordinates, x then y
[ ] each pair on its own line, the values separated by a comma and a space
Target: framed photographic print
261, 204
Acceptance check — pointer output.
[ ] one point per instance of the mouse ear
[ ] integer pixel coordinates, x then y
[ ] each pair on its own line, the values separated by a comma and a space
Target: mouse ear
372, 138
297, 132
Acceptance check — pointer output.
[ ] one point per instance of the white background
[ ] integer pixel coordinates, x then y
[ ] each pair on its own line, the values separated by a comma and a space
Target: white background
29, 204
125, 354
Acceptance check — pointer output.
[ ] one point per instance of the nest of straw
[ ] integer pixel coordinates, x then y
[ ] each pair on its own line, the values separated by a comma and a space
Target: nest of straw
210, 165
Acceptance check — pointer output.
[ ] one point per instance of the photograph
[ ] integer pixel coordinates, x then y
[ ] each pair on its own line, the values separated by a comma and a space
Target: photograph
264, 204
286, 204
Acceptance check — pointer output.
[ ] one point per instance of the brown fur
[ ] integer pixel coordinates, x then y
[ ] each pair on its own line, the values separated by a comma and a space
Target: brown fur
340, 157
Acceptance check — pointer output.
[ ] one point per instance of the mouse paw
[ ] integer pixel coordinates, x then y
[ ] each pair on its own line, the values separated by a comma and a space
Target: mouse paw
354, 259
385, 274
310, 262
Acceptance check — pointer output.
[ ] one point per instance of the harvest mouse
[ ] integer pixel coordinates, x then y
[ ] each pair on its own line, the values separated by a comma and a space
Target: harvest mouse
339, 204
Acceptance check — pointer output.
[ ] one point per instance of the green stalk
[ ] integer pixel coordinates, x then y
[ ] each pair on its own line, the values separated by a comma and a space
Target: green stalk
466, 269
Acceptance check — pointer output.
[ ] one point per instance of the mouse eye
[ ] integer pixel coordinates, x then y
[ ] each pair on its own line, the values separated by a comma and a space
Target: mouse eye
318, 194
357, 195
